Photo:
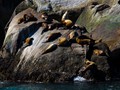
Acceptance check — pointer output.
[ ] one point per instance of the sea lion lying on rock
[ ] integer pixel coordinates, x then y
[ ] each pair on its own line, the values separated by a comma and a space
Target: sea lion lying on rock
73, 35
83, 40
88, 65
45, 27
62, 41
82, 29
66, 22
26, 18
97, 52
103, 48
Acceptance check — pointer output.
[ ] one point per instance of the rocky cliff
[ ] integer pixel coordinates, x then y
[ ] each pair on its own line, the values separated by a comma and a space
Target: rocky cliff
42, 44
6, 10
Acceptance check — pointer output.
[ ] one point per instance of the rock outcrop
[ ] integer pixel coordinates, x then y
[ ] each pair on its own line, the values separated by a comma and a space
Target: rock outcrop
38, 46
6, 10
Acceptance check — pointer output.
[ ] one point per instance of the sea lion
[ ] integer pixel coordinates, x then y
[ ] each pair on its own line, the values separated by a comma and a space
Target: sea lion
87, 66
29, 17
20, 20
83, 40
62, 41
26, 18
73, 35
97, 52
53, 36
82, 29
88, 62
28, 40
50, 48
45, 27
55, 24
103, 47
44, 15
66, 22
51, 26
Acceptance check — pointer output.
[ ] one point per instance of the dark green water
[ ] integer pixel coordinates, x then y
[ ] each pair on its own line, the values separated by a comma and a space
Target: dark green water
63, 86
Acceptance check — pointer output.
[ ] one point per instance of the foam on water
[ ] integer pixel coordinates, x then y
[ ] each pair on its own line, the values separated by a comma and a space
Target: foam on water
79, 78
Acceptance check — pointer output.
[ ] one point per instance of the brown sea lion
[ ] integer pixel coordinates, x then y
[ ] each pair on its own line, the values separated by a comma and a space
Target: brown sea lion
87, 66
53, 36
50, 48
83, 40
88, 62
55, 25
66, 22
29, 17
44, 15
45, 27
73, 35
28, 40
82, 29
62, 41
20, 20
103, 47
97, 52
26, 18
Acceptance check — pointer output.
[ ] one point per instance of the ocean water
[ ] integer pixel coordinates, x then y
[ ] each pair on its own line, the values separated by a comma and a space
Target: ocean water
61, 86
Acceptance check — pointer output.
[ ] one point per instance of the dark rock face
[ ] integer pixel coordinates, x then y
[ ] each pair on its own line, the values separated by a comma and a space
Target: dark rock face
103, 25
6, 10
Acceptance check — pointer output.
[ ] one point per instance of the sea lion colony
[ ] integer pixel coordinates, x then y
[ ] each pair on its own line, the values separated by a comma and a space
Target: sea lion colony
77, 34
